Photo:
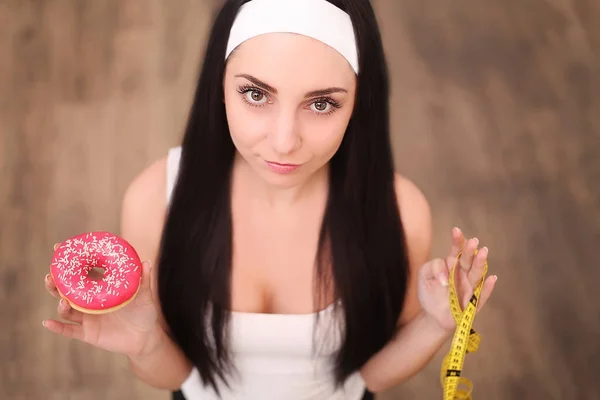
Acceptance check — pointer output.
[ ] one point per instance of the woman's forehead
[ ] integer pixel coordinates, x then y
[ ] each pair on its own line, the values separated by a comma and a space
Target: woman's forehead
288, 59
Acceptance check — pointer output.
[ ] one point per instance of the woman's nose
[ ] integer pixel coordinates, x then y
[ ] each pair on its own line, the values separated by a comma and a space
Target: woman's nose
285, 136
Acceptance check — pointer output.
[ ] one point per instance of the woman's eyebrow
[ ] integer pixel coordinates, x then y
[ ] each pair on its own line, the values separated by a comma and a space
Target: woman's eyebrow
325, 92
313, 93
258, 83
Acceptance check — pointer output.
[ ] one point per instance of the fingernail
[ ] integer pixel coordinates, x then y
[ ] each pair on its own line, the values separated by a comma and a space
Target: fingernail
443, 280
485, 249
62, 302
148, 263
494, 278
476, 241
44, 324
47, 277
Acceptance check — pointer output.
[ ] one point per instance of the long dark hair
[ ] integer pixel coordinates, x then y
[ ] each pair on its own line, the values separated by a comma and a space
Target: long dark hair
362, 242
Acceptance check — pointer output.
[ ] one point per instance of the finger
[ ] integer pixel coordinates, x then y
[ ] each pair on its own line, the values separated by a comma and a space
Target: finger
51, 287
67, 330
436, 270
150, 274
56, 246
149, 281
153, 282
458, 242
476, 273
486, 290
66, 312
468, 254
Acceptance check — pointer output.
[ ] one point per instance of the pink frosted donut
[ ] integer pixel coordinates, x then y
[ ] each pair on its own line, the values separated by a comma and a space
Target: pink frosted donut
75, 258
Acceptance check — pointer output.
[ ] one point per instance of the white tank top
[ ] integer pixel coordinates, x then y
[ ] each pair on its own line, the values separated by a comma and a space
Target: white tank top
274, 354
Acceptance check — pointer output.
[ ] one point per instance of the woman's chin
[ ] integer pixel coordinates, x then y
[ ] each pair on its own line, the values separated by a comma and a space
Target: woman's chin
282, 181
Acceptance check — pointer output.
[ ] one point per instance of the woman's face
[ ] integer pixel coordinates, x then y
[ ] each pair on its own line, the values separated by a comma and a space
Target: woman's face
288, 99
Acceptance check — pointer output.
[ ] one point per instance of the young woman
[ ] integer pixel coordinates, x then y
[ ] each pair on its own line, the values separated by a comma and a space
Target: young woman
290, 260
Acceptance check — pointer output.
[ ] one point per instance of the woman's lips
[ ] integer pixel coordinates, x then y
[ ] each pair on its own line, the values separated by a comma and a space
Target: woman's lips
282, 168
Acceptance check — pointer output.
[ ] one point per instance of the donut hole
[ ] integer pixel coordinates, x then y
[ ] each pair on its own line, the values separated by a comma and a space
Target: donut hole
96, 273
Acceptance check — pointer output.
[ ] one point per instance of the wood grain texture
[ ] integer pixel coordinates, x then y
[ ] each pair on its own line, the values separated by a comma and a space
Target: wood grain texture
91, 92
496, 116
504, 98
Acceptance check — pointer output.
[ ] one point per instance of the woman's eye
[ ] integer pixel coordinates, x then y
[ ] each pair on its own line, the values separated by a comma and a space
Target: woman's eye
321, 106
256, 96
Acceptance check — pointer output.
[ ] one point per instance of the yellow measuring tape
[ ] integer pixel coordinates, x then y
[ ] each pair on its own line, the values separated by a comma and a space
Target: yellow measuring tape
465, 340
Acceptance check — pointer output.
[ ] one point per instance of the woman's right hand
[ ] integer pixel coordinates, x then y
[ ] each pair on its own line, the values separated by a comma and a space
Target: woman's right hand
133, 330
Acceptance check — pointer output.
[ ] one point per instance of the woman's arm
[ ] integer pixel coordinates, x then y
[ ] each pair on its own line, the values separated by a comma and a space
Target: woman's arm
162, 365
418, 230
405, 355
419, 338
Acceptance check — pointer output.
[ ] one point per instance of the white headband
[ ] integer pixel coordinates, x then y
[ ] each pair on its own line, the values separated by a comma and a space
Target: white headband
318, 19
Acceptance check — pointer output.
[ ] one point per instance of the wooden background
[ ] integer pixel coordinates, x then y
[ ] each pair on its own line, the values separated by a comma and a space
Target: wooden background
496, 115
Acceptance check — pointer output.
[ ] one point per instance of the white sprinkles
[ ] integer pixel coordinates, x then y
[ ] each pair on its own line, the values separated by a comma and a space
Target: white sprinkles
79, 255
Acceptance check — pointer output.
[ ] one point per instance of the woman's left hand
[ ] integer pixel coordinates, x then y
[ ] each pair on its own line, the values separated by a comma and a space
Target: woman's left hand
433, 288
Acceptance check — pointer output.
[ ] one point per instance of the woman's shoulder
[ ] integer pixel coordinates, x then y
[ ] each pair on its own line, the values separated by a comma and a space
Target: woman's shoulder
148, 187
415, 212
143, 208
414, 206
417, 225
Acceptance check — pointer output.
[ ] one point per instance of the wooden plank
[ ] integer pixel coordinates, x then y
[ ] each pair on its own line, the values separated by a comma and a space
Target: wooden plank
495, 115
